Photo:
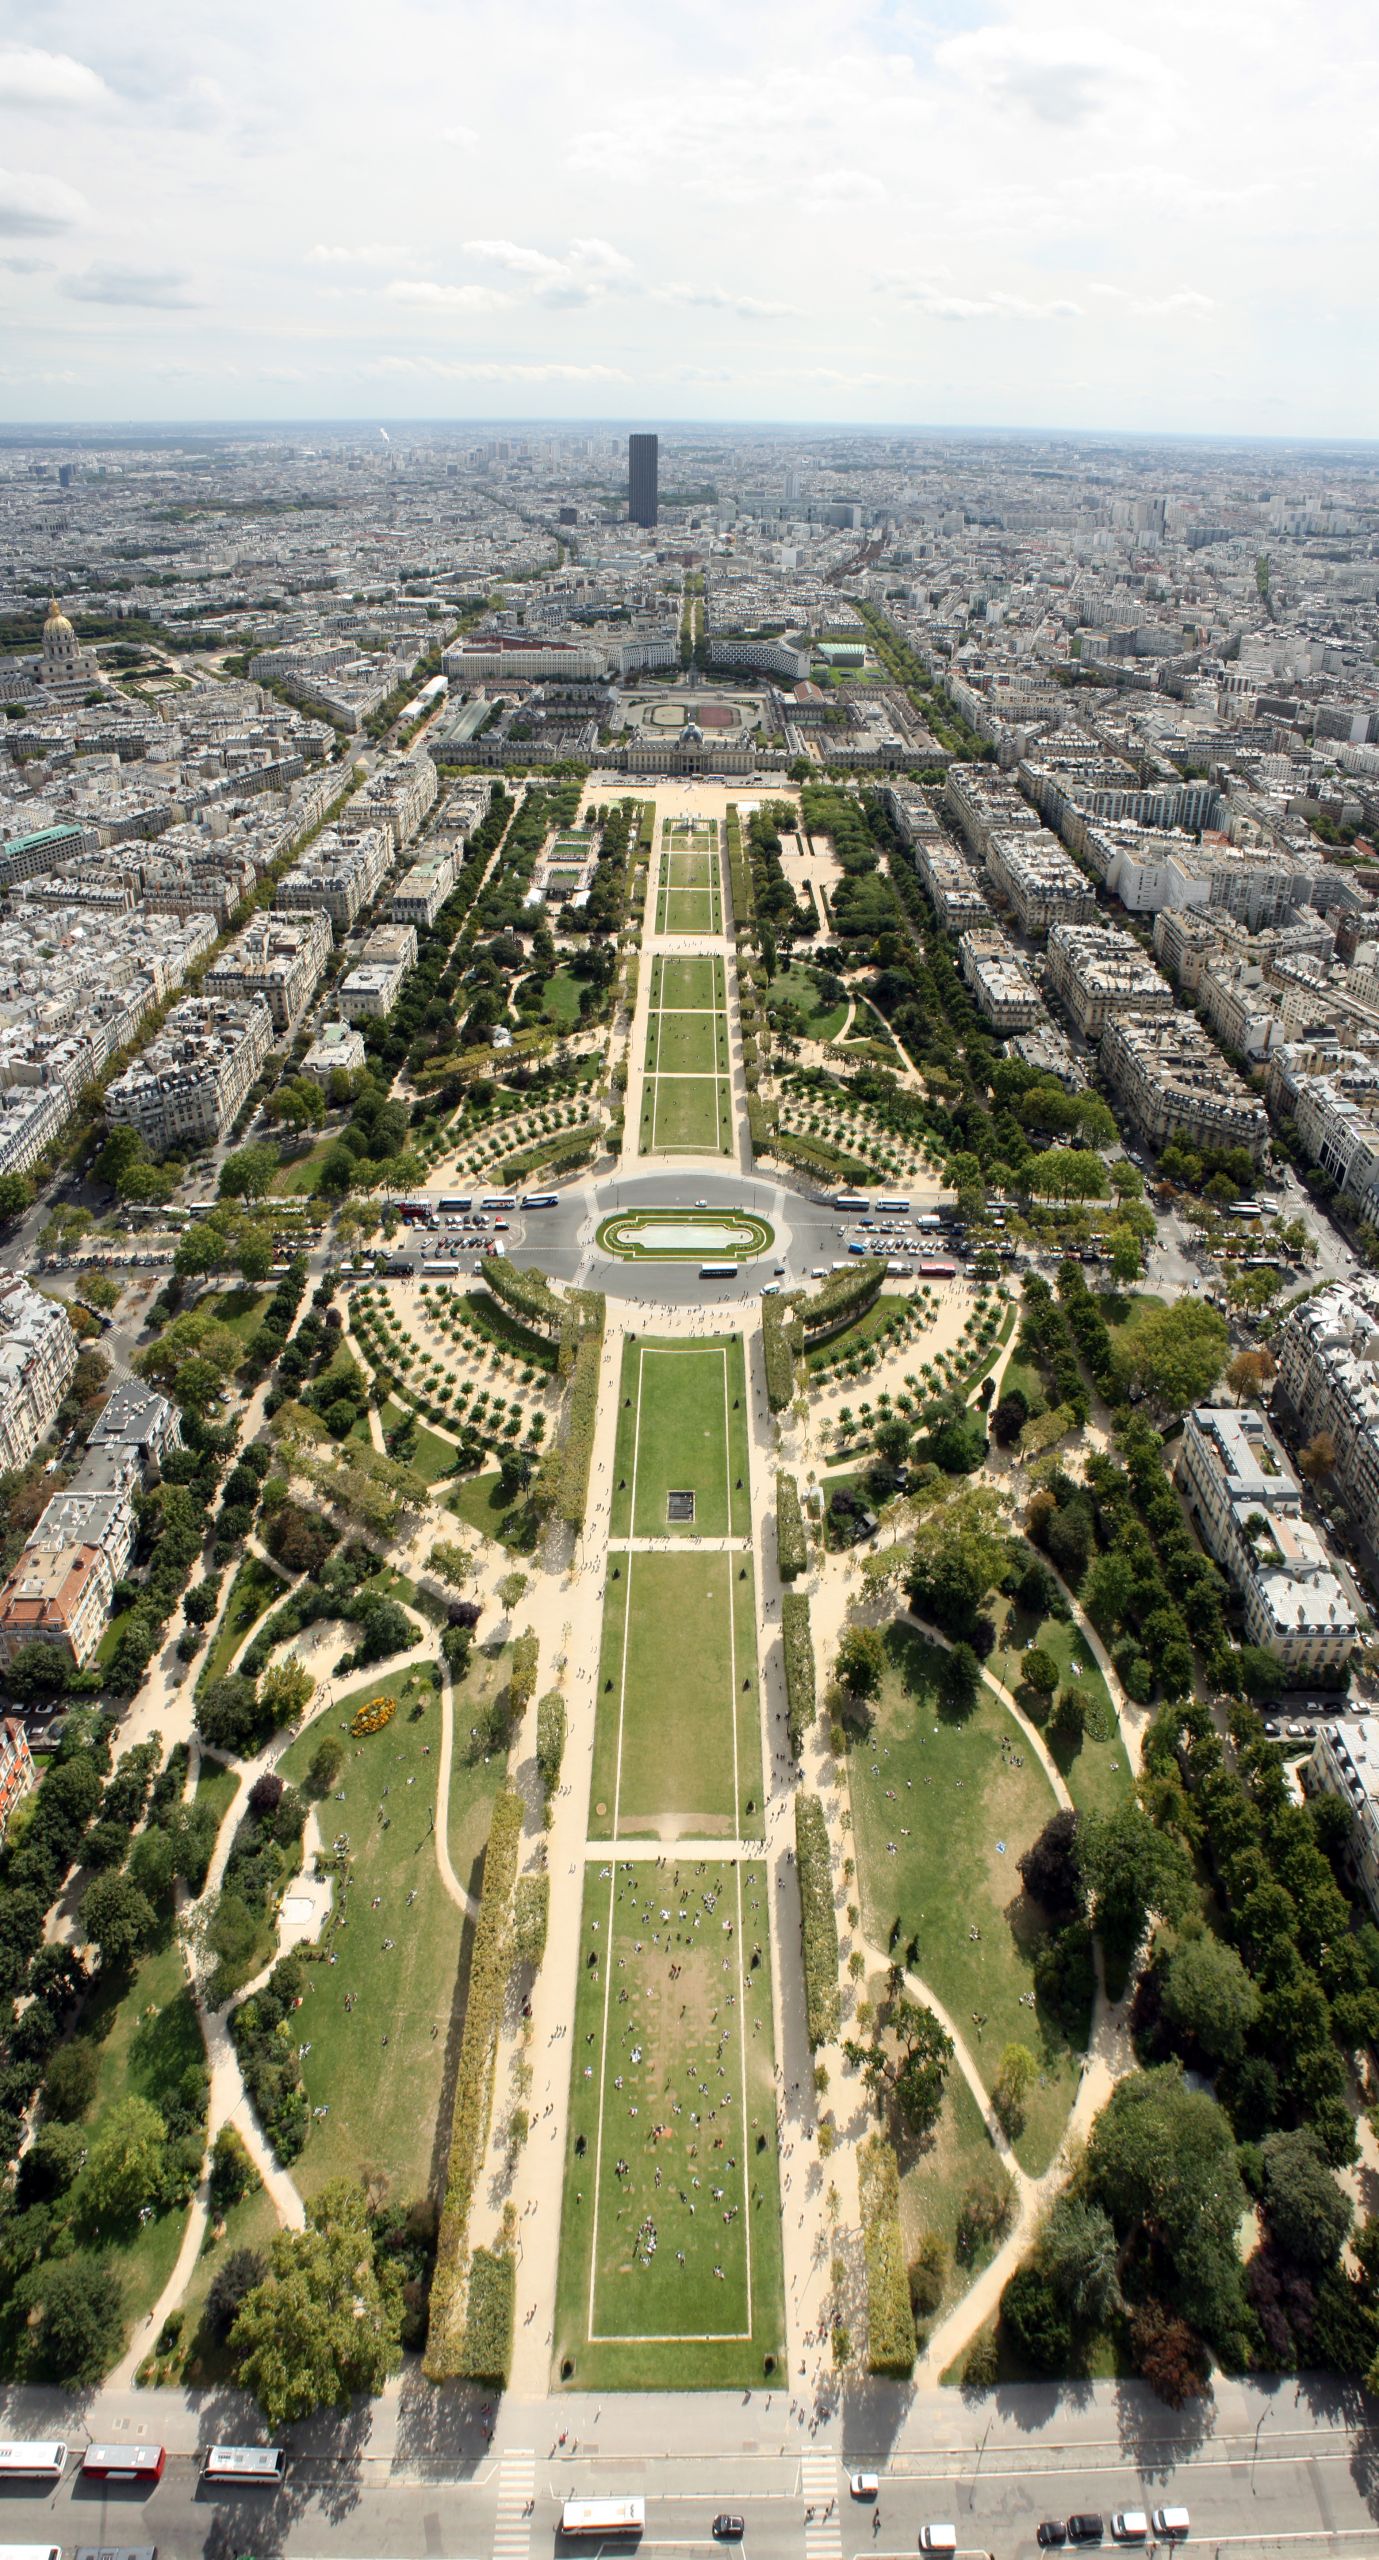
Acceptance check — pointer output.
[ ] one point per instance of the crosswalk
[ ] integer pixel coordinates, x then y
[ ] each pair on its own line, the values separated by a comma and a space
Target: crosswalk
513, 2522
823, 2531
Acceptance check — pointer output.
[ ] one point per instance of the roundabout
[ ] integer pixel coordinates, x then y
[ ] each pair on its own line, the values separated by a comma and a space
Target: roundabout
684, 1235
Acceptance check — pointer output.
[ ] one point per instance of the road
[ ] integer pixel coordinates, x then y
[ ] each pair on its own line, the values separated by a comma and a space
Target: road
1289, 2469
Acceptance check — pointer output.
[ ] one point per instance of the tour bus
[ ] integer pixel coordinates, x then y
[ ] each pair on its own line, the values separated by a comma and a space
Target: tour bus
848, 1200
123, 2462
498, 1200
415, 1213
32, 2461
442, 1270
894, 1208
31, 2551
937, 1270
253, 2466
1243, 1209
591, 2516
540, 1199
718, 1270
456, 1200
928, 1220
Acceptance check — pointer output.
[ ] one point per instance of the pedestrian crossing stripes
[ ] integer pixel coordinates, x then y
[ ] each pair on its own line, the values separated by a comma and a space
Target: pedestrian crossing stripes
516, 2492
823, 2531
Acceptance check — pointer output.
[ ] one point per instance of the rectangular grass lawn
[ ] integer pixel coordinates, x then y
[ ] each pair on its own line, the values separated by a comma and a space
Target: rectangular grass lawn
384, 2098
689, 911
943, 1811
688, 985
677, 1744
690, 870
682, 1428
687, 1044
689, 1114
670, 2264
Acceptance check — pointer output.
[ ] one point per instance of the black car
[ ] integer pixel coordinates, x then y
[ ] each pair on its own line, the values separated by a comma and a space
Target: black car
1052, 2534
1086, 2528
728, 2528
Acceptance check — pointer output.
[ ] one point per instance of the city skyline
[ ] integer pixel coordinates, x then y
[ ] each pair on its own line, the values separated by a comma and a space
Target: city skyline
1013, 217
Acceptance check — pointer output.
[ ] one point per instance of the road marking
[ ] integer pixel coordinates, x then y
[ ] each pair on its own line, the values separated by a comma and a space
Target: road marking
823, 2528
516, 2498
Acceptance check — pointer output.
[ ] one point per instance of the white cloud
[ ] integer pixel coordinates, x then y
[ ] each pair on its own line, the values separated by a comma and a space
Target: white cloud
370, 253
447, 297
136, 288
1060, 75
585, 272
495, 370
710, 297
463, 136
37, 206
937, 302
846, 186
31, 78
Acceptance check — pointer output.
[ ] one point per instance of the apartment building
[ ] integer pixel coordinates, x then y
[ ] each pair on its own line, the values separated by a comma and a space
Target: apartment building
1345, 1763
337, 1048
280, 958
136, 1421
1173, 1082
339, 874
193, 1079
1043, 886
1097, 972
16, 1768
1299, 1603
396, 799
422, 892
89, 1515
1328, 1375
374, 984
59, 1596
38, 1353
999, 979
1340, 1131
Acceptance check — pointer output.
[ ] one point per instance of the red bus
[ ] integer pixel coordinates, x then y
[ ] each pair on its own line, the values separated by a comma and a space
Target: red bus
123, 2462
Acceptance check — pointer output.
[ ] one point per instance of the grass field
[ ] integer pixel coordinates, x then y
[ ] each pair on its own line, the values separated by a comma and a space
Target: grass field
560, 999
691, 986
379, 2064
1095, 1771
682, 1428
800, 988
256, 1587
670, 2271
943, 1812
935, 2177
146, 2026
692, 1115
677, 1745
477, 1500
687, 1044
689, 911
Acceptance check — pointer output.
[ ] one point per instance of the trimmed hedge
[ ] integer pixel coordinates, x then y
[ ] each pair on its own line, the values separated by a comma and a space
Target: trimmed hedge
890, 2321
778, 1353
498, 1325
844, 1296
525, 1290
761, 1125
531, 1905
792, 1554
577, 1437
550, 1742
552, 1155
485, 2353
488, 1980
801, 1695
739, 872
522, 1677
818, 1920
814, 1155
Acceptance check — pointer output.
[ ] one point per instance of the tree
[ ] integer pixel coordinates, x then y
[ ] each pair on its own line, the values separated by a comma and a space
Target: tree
232, 2173
233, 2282
1169, 2355
511, 1588
959, 1681
248, 1172
76, 2314
69, 2083
1308, 2215
118, 1919
1208, 1995
126, 2166
860, 1665
1016, 2074
326, 2321
1132, 1869
958, 1556
1317, 1459
1050, 1869
287, 1691
1176, 1354
1125, 1256
229, 1718
913, 2068
1039, 1672
1161, 2162
16, 1194
1036, 2320
1076, 2250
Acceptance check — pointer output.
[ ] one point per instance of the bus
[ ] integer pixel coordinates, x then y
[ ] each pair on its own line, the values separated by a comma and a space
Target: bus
928, 1221
540, 1199
894, 1208
415, 1213
848, 1200
587, 2516
254, 2466
859, 1248
32, 2461
937, 1270
32, 2551
439, 1270
718, 1270
123, 2462
498, 1200
455, 1200
1243, 1209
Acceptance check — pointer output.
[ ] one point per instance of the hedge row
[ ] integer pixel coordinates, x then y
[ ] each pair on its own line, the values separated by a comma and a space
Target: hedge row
814, 1155
800, 1690
739, 875
485, 2350
890, 2321
498, 1325
844, 1295
577, 1431
550, 1742
818, 1920
779, 1354
531, 1910
488, 1977
792, 1555
761, 1126
531, 1295
554, 1155
522, 1676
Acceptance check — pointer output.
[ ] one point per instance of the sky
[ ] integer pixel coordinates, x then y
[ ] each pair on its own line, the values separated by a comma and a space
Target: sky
1052, 213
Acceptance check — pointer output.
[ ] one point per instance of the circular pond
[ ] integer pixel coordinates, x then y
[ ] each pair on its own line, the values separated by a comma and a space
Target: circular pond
685, 1235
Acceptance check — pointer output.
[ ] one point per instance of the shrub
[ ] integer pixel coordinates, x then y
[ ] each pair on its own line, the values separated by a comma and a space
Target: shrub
522, 1677
473, 2085
530, 1908
792, 1554
818, 1920
800, 1677
778, 1353
485, 2353
890, 2320
268, 2061
550, 1741
984, 2213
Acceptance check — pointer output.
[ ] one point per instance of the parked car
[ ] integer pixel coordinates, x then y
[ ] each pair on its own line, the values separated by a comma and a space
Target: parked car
1086, 2528
1051, 2534
864, 2484
1172, 2523
1130, 2524
728, 2528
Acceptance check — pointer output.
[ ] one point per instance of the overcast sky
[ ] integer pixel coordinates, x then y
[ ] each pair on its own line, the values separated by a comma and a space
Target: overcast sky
1093, 214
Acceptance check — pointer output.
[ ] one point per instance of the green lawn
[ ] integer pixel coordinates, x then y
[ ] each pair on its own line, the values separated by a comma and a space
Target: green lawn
216, 1786
935, 2177
380, 2066
147, 2029
677, 1744
691, 986
1095, 1772
693, 1114
882, 1317
682, 1427
800, 987
250, 2224
560, 999
689, 911
687, 1044
297, 1179
256, 1588
670, 2268
477, 1500
684, 868
960, 1802
239, 1308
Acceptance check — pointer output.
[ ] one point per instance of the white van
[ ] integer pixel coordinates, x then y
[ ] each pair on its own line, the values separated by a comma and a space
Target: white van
864, 2484
1172, 2523
938, 2537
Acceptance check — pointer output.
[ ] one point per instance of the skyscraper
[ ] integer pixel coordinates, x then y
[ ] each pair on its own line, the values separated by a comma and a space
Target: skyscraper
642, 452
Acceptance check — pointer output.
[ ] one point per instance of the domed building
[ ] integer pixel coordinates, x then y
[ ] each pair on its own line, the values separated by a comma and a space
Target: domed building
64, 661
